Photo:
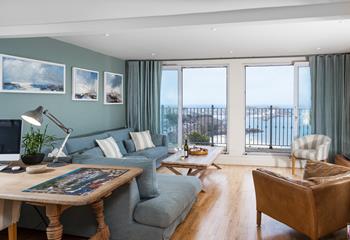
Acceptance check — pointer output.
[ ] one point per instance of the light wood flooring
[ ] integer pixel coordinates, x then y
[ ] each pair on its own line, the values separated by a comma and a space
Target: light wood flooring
226, 211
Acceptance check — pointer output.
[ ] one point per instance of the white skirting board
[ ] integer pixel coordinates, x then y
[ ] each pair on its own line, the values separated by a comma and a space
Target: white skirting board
258, 159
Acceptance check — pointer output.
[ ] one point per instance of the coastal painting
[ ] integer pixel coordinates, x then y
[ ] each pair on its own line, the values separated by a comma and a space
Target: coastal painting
85, 84
113, 88
23, 75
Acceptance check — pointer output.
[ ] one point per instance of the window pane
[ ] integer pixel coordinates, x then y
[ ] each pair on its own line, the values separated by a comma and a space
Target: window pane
169, 105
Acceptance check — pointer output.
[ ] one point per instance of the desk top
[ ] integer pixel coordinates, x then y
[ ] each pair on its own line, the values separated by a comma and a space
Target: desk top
12, 186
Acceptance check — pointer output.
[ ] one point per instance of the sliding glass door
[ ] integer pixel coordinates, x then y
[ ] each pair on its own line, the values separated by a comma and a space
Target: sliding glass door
278, 105
193, 105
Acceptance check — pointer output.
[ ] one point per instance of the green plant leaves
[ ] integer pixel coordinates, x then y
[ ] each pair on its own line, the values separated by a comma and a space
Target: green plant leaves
34, 140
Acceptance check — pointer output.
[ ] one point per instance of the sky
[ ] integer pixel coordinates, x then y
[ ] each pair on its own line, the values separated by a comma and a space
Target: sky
265, 86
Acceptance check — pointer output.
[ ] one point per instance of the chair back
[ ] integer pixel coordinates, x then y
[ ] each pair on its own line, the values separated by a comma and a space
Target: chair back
311, 141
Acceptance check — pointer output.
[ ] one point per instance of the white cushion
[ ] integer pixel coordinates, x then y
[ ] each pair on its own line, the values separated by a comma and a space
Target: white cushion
305, 154
142, 140
109, 148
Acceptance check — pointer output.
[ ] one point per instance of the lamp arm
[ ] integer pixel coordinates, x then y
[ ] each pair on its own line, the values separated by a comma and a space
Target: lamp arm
57, 122
62, 146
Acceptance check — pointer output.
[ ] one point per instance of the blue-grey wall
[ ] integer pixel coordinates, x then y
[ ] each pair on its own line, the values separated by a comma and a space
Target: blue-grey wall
83, 117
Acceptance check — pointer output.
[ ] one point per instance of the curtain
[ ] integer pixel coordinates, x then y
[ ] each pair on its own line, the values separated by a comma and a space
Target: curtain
330, 92
143, 95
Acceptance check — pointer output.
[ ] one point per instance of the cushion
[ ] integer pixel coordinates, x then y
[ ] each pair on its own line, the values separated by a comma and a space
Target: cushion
151, 153
157, 139
129, 145
305, 183
96, 151
329, 179
120, 134
80, 144
109, 147
121, 147
305, 154
142, 140
175, 194
322, 169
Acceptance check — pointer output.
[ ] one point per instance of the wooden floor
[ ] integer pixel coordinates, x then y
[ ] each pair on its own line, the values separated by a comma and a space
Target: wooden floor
226, 211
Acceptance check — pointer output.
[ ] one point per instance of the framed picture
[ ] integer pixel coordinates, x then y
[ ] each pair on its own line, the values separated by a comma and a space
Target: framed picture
84, 84
24, 75
113, 88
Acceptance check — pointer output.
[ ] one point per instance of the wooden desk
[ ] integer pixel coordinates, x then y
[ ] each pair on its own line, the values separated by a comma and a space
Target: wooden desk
12, 186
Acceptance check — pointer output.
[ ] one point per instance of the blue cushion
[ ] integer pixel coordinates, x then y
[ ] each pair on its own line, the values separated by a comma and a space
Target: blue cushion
157, 139
120, 134
122, 147
147, 181
96, 152
79, 144
129, 145
176, 193
151, 153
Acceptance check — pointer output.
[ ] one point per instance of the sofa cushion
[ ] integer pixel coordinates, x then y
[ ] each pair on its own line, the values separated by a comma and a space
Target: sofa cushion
157, 139
79, 144
96, 152
142, 140
176, 193
129, 145
109, 147
322, 169
151, 153
120, 134
122, 147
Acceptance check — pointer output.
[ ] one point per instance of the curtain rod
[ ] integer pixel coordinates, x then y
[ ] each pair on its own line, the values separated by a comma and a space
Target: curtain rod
227, 58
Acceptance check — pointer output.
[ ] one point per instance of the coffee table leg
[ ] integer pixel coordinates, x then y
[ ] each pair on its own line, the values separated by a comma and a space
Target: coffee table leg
102, 228
174, 170
189, 171
215, 165
55, 229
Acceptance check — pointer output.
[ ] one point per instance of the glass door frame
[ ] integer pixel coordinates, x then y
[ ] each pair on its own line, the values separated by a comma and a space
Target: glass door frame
297, 66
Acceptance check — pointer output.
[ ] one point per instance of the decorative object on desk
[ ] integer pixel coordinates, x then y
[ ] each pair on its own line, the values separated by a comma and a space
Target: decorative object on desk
33, 142
36, 169
113, 88
79, 182
198, 151
35, 117
85, 84
23, 75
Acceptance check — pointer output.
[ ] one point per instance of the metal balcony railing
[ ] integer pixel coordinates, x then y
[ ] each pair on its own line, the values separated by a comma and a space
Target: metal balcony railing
200, 125
273, 128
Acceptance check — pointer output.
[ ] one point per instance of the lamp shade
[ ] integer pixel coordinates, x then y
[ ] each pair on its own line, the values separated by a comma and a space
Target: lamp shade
34, 117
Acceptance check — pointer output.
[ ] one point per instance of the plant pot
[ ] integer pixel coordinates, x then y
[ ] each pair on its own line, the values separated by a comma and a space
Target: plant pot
33, 159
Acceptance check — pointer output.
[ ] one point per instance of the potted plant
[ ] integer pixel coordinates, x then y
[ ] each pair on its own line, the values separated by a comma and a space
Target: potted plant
33, 142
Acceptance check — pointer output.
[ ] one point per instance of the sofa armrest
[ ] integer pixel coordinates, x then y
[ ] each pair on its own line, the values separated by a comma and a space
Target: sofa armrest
147, 181
285, 201
160, 139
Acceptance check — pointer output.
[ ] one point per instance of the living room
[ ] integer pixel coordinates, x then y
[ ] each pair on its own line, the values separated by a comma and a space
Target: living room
174, 120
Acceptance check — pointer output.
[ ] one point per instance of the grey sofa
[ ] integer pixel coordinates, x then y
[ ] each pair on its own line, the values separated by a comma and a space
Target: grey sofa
149, 207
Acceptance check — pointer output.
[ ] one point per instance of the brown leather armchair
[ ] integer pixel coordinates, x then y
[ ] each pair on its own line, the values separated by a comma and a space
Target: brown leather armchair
315, 210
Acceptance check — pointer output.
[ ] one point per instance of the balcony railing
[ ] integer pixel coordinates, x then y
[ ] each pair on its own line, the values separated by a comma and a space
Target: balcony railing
200, 125
273, 128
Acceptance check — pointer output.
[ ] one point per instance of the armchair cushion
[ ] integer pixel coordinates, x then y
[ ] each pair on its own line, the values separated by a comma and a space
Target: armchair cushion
313, 147
305, 154
321, 169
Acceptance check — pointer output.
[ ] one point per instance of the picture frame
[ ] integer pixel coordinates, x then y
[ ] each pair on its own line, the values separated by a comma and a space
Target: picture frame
85, 84
26, 75
113, 90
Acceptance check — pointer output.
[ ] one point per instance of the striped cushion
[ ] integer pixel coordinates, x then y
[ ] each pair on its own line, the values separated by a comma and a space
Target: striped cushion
109, 148
313, 147
142, 140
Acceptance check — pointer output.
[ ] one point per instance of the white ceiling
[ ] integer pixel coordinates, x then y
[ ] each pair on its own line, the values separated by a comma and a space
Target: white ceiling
185, 29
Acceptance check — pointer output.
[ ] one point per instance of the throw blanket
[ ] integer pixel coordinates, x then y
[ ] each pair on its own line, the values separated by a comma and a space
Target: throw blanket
9, 213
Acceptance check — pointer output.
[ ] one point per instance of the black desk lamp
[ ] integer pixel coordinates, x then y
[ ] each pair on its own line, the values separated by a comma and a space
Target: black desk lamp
35, 117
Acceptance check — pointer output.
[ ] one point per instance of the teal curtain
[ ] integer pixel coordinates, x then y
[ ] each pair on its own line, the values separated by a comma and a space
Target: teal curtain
330, 92
143, 95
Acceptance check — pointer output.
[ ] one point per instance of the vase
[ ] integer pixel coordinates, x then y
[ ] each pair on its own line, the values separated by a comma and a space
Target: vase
33, 159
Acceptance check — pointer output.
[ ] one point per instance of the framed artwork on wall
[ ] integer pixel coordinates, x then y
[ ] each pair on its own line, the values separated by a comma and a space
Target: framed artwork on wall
24, 75
113, 88
84, 84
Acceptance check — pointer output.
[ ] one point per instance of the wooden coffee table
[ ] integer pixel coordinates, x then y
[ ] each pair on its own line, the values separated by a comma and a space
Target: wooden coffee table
12, 186
194, 164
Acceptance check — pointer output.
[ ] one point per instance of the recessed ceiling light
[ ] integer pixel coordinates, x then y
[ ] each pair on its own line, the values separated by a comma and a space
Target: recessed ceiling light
341, 21
153, 54
213, 29
318, 49
107, 35
231, 51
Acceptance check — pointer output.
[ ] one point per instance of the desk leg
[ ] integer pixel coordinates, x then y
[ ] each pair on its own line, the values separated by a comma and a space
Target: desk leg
55, 229
12, 231
102, 228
